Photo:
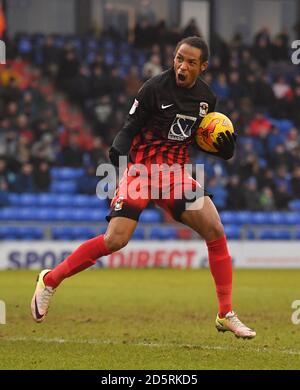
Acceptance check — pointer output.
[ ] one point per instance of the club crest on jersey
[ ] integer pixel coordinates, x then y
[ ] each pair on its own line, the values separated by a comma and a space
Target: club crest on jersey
181, 128
119, 203
203, 109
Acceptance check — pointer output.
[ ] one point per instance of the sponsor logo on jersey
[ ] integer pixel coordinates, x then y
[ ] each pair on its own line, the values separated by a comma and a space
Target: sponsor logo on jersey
203, 109
181, 128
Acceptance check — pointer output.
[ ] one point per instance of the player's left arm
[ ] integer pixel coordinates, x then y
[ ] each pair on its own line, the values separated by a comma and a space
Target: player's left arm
136, 119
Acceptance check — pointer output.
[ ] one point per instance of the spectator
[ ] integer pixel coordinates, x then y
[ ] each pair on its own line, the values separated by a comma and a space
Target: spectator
191, 29
267, 201
132, 82
24, 180
152, 67
251, 194
259, 125
42, 177
282, 197
146, 12
235, 195
295, 182
4, 194
72, 153
97, 155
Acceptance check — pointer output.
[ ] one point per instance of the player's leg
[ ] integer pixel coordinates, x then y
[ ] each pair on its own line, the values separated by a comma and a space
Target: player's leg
207, 223
125, 212
119, 232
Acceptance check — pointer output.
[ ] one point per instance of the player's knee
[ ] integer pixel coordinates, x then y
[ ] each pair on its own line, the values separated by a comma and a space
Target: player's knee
215, 231
116, 242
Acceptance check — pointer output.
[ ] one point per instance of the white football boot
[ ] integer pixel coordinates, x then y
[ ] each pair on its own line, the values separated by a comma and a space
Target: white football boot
232, 324
41, 298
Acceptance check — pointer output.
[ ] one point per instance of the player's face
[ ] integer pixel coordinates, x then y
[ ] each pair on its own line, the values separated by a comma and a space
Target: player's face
188, 65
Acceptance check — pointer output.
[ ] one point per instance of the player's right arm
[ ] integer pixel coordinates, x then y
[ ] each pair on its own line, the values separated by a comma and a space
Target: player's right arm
135, 121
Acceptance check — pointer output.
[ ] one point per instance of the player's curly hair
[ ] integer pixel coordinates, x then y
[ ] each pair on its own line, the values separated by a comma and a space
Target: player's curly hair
197, 42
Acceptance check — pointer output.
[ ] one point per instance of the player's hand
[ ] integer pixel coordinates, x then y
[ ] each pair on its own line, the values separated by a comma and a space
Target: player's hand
225, 145
114, 155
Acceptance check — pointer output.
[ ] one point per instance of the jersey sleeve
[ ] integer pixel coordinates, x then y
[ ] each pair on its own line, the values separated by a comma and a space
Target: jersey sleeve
136, 119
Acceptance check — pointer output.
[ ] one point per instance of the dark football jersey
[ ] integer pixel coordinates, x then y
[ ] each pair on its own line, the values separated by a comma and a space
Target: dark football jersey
162, 120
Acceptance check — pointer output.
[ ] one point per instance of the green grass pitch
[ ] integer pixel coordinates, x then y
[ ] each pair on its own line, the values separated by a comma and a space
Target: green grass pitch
150, 319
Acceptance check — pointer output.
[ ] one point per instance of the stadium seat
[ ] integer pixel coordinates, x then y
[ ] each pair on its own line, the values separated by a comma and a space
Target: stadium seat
139, 234
109, 58
125, 60
228, 217
243, 217
30, 233
73, 233
27, 213
59, 41
9, 213
268, 234
28, 199
260, 218
88, 201
21, 233
276, 218
95, 202
150, 216
62, 200
250, 234
84, 232
292, 218
62, 233
92, 215
25, 45
64, 187
80, 201
295, 205
8, 233
163, 233
46, 199
14, 199
66, 173
232, 232
92, 44
109, 45
284, 125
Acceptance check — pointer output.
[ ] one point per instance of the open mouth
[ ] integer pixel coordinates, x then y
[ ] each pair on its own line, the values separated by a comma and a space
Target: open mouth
181, 77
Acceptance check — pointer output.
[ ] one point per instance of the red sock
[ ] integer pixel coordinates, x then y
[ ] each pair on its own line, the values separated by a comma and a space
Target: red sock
221, 269
83, 257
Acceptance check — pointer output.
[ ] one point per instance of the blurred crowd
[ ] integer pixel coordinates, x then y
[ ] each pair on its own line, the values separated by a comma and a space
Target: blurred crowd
63, 99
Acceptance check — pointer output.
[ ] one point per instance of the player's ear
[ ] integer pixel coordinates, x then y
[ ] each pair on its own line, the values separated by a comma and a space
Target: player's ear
204, 66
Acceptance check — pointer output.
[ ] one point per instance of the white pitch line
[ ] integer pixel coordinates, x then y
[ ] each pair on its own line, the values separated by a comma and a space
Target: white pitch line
143, 344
